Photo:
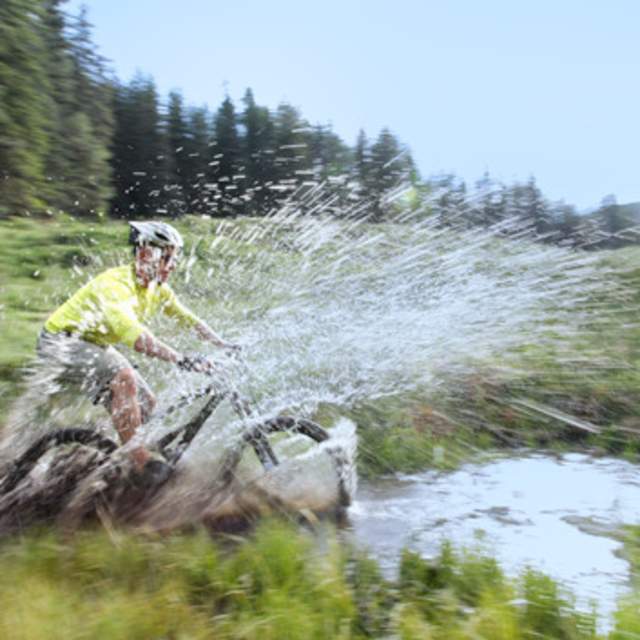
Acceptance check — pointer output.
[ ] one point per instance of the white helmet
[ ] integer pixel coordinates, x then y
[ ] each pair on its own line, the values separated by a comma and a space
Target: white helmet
159, 234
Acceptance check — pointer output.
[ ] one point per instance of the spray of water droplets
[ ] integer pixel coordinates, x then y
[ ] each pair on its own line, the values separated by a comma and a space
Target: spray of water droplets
334, 309
331, 306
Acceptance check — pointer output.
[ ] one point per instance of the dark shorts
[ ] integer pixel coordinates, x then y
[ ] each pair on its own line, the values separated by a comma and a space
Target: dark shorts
73, 363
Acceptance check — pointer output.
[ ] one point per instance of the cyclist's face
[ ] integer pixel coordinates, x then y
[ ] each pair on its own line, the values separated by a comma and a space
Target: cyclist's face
167, 264
155, 263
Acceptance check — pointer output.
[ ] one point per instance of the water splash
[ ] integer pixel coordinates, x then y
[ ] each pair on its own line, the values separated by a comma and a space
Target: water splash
332, 307
342, 310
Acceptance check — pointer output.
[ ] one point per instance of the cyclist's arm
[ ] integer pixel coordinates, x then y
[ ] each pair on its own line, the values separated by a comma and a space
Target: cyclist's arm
149, 345
205, 332
175, 309
124, 324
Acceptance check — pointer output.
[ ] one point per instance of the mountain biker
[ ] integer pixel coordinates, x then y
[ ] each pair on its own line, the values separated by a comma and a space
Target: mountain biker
113, 308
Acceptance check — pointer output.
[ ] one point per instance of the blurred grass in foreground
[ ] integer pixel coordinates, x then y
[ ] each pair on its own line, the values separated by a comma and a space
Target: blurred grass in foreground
281, 582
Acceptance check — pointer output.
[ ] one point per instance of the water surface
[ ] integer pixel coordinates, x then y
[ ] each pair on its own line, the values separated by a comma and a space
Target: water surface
559, 514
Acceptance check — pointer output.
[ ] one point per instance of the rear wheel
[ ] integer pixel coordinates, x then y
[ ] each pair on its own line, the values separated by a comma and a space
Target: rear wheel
21, 467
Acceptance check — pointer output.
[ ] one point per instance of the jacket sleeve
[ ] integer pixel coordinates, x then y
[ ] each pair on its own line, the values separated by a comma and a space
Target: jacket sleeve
173, 308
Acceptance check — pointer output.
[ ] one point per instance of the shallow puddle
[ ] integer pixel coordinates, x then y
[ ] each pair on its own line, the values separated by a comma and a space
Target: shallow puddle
560, 514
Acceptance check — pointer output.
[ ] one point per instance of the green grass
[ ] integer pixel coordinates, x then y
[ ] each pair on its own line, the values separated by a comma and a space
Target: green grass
280, 582
627, 618
405, 433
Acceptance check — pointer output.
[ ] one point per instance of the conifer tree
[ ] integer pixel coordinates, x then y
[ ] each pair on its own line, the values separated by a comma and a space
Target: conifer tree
177, 159
251, 142
566, 223
536, 208
490, 202
24, 107
86, 175
226, 170
450, 203
59, 68
362, 160
139, 151
199, 194
388, 168
329, 156
611, 215
291, 152
92, 115
258, 155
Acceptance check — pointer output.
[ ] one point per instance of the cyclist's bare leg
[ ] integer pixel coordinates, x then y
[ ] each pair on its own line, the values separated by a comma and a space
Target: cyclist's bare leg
126, 412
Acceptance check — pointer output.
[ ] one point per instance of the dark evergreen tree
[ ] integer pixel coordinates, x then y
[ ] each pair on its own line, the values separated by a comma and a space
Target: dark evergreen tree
330, 165
482, 209
177, 156
59, 67
199, 194
258, 155
450, 204
25, 105
91, 115
536, 208
611, 215
251, 141
139, 151
491, 202
291, 152
362, 159
514, 208
565, 222
329, 156
389, 167
87, 173
225, 167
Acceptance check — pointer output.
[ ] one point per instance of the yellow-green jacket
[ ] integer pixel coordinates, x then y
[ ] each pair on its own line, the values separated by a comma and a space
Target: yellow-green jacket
113, 308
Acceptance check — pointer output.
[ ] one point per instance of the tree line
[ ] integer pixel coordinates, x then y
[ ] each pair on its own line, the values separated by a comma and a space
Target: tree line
521, 209
56, 123
183, 159
74, 138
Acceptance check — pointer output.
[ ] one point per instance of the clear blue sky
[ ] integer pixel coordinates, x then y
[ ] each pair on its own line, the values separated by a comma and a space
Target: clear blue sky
520, 87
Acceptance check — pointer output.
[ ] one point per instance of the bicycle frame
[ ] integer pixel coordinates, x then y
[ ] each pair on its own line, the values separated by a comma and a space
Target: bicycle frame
173, 444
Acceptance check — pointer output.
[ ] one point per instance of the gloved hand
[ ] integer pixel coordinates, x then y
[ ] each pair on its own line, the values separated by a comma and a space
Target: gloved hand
195, 362
232, 350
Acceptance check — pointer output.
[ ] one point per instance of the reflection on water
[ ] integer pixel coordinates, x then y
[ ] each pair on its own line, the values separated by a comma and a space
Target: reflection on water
559, 514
